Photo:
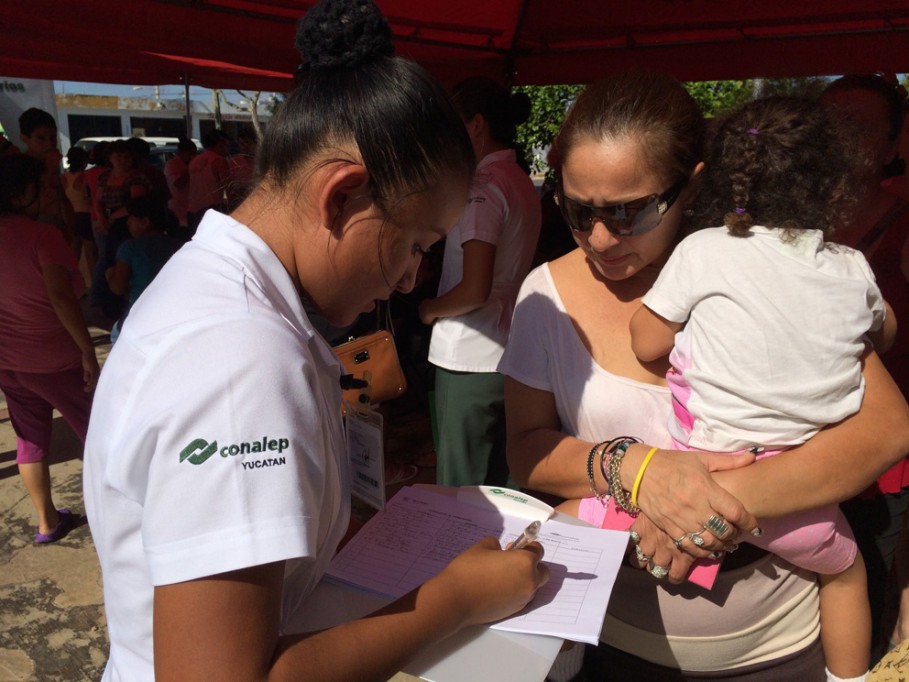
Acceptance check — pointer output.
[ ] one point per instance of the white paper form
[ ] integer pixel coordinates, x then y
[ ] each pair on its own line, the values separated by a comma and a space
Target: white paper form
420, 532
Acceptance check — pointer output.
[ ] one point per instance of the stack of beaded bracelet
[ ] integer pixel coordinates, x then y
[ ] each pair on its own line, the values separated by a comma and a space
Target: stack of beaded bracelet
601, 497
616, 450
606, 456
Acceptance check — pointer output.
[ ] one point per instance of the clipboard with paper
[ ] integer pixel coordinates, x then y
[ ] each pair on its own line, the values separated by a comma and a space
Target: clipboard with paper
477, 653
421, 531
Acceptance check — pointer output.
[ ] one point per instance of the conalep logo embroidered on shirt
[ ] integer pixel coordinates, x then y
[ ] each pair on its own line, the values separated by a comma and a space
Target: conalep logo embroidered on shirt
200, 450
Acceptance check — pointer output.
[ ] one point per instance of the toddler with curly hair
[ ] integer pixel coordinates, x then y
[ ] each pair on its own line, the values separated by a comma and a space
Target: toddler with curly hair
766, 324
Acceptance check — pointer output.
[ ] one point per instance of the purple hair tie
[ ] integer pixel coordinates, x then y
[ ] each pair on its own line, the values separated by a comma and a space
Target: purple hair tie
753, 131
739, 210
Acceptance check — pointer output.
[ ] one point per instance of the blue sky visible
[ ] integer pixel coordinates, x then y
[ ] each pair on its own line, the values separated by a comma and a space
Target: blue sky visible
148, 91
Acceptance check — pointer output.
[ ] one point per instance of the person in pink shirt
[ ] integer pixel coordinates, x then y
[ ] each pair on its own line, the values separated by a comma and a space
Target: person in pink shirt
209, 176
47, 358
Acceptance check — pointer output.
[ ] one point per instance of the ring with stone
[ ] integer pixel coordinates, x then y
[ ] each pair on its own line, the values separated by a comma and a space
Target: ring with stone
635, 536
658, 572
678, 541
639, 555
696, 538
717, 525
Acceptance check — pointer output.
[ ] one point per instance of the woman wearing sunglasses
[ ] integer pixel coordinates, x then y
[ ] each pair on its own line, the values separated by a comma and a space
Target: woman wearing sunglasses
586, 418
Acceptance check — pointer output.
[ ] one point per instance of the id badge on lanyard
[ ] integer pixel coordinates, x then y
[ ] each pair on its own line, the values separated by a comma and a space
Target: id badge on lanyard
366, 454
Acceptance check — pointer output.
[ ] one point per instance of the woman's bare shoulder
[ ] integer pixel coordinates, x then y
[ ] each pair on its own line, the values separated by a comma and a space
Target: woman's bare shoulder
567, 265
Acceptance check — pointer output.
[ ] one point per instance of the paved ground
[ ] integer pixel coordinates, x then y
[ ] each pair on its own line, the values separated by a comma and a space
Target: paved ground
52, 625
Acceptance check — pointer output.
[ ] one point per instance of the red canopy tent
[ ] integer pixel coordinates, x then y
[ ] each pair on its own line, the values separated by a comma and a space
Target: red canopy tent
249, 43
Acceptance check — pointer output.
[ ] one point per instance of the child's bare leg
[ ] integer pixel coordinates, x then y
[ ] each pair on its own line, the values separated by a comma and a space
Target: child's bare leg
569, 507
846, 621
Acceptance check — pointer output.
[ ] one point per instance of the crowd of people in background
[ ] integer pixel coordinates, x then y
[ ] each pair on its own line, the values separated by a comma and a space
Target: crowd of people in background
86, 197
107, 213
637, 168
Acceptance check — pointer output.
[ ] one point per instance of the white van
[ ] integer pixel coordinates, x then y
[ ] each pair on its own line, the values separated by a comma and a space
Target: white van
88, 142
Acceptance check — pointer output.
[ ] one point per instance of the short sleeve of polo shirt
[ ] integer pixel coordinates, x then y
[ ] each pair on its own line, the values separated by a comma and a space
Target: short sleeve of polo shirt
484, 217
241, 473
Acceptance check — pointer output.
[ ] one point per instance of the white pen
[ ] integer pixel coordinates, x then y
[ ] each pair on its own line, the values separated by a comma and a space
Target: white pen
529, 535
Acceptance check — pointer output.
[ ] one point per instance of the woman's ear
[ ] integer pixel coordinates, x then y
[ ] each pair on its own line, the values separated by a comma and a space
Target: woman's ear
343, 183
475, 126
694, 185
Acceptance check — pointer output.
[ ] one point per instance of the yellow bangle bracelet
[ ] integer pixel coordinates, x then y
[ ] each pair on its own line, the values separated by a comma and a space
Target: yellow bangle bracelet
640, 476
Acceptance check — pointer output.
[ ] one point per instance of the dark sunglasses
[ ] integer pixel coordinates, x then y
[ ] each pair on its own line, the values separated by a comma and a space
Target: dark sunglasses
629, 219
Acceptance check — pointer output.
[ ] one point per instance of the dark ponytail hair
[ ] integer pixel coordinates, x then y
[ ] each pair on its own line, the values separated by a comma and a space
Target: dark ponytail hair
502, 110
782, 162
353, 93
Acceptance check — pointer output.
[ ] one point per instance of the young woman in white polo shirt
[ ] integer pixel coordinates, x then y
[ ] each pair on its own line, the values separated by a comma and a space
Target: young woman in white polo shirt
487, 256
216, 479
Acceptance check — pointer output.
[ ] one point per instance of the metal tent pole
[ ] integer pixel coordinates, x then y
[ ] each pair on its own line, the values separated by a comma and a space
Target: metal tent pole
188, 106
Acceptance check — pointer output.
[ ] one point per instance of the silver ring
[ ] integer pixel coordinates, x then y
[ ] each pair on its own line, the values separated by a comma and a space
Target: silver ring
639, 555
678, 541
658, 572
717, 525
635, 536
696, 539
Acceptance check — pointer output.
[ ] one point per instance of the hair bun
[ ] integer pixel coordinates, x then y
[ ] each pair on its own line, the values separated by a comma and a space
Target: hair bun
343, 33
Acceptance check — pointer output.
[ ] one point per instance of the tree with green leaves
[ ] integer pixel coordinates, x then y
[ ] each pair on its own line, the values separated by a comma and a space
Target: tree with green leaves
548, 106
717, 97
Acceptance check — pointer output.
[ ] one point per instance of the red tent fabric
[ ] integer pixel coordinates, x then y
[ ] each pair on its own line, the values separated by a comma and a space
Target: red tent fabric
249, 43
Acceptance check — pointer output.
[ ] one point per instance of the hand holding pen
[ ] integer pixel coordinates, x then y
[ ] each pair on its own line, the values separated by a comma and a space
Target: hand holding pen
492, 584
529, 535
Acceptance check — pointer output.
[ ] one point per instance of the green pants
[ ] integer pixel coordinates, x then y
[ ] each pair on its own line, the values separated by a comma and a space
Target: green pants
470, 412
